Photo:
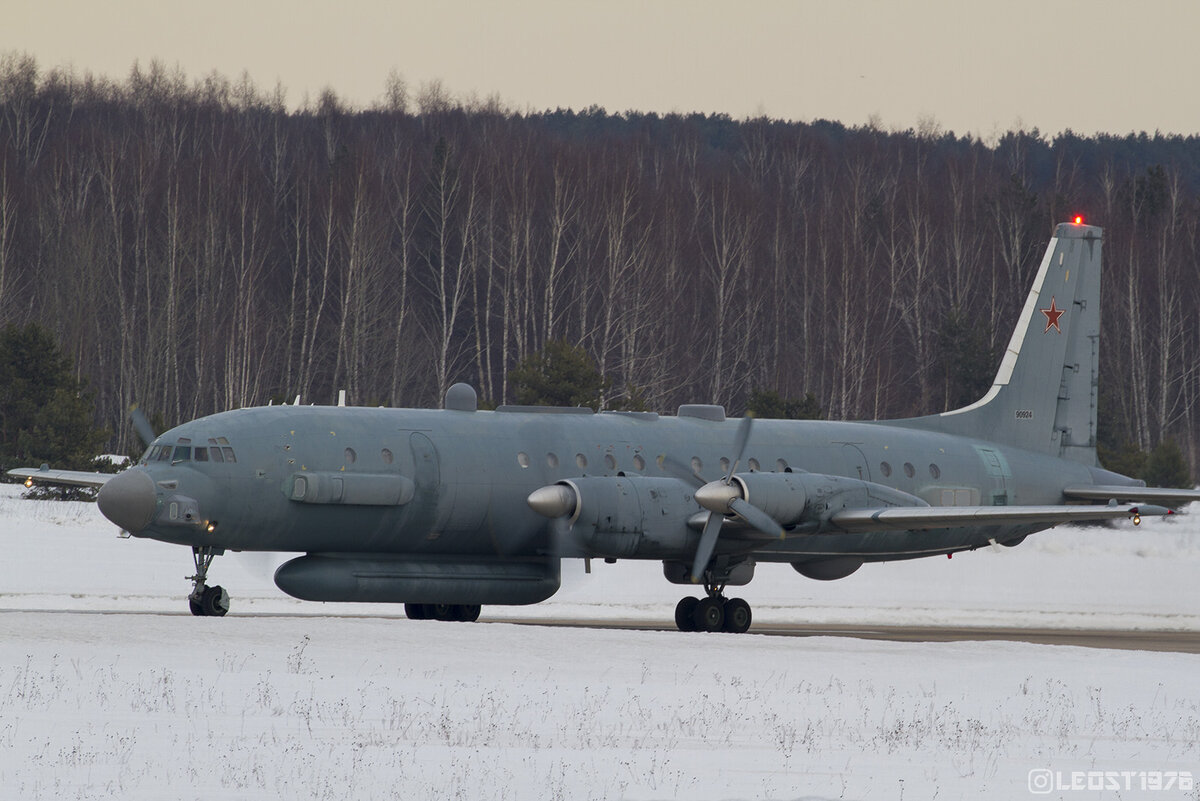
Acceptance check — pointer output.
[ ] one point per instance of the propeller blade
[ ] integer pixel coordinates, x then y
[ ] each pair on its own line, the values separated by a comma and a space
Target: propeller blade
708, 541
739, 445
141, 425
563, 543
757, 518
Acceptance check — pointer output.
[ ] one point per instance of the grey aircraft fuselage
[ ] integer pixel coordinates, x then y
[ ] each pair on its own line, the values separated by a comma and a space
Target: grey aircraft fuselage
471, 473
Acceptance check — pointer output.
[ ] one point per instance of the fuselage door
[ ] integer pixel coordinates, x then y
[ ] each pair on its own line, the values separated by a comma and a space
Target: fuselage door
856, 462
998, 473
427, 481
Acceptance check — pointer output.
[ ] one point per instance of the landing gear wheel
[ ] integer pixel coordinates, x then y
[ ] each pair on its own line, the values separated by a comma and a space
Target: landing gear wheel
685, 614
462, 613
469, 613
215, 601
737, 616
709, 614
205, 601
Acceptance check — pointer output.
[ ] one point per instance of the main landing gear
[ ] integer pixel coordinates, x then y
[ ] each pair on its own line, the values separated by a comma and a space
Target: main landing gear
206, 601
463, 613
714, 613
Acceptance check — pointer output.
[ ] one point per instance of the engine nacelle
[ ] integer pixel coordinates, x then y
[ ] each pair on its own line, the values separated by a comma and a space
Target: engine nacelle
781, 495
812, 498
828, 569
737, 575
623, 516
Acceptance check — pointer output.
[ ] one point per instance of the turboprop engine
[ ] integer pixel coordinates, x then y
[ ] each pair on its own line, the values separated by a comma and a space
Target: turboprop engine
617, 516
801, 503
624, 516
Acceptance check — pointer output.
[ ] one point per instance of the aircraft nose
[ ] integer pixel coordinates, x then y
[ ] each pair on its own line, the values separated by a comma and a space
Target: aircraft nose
128, 500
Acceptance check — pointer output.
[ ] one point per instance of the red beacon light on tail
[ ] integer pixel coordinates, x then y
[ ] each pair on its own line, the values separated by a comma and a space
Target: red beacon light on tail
1079, 219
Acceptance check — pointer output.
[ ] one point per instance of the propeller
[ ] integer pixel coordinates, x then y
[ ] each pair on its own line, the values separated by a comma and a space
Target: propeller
720, 498
141, 425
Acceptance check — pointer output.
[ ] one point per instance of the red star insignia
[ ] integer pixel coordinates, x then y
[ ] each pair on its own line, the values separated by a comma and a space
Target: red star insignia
1052, 315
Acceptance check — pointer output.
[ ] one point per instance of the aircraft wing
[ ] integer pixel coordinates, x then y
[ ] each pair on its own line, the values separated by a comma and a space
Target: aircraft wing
919, 518
1172, 497
75, 478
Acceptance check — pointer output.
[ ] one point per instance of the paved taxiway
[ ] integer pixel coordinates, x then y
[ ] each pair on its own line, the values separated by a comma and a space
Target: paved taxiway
1184, 642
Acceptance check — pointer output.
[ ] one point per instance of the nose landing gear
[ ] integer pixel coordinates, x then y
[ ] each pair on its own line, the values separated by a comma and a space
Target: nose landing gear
206, 601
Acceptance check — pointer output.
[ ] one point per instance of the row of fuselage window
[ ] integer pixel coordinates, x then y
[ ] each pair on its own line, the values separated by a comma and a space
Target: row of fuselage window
187, 453
639, 463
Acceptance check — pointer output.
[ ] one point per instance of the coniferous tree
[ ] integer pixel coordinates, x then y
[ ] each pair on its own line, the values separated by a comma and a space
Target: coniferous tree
1165, 467
769, 404
967, 358
561, 374
46, 414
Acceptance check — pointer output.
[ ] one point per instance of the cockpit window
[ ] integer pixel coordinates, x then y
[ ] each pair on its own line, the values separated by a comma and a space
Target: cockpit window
164, 453
218, 451
183, 453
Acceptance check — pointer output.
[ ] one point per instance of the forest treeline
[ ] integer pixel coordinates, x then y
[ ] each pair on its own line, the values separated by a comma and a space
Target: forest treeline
195, 246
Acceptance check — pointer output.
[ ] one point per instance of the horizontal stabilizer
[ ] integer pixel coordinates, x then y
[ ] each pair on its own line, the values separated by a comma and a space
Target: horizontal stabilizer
919, 518
74, 478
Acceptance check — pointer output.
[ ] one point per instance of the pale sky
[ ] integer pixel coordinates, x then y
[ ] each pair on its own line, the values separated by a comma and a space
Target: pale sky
1104, 65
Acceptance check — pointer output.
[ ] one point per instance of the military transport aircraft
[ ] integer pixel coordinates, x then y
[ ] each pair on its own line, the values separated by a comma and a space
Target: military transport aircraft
445, 510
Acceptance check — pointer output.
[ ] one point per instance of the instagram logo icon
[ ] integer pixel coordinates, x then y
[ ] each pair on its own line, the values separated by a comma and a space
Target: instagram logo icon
1041, 780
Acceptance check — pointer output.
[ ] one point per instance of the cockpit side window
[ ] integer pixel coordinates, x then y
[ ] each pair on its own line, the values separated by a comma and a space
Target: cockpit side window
183, 453
229, 457
164, 453
216, 454
201, 454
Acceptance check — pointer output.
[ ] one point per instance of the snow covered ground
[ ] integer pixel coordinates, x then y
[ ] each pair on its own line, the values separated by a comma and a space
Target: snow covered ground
109, 689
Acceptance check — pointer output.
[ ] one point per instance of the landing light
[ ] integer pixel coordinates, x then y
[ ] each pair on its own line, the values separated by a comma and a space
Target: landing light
28, 483
211, 527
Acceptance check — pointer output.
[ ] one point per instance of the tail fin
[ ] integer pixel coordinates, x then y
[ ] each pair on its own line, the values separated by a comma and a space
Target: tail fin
1044, 396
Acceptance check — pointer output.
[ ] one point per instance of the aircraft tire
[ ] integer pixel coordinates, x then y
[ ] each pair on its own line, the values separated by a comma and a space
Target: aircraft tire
215, 602
196, 607
469, 613
709, 614
737, 616
416, 611
685, 614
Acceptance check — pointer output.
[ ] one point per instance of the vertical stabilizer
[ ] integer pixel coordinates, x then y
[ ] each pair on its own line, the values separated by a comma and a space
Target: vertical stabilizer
1044, 396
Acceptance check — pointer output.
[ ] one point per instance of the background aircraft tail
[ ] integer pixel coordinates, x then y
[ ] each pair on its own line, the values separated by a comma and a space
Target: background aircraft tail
1044, 396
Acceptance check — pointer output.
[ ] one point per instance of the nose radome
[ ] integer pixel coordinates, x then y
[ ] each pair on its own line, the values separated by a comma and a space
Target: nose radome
128, 500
